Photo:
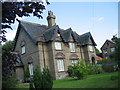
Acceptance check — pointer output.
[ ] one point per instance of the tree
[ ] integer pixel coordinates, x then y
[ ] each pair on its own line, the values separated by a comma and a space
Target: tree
8, 79
42, 80
116, 53
98, 52
10, 10
7, 62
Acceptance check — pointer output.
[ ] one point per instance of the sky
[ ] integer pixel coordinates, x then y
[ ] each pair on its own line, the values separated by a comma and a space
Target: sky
98, 18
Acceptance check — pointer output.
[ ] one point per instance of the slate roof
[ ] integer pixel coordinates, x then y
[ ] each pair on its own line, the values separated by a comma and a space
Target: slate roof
84, 39
107, 41
37, 32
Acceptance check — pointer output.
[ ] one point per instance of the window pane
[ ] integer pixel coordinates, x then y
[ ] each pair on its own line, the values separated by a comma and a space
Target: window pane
91, 48
60, 64
72, 47
31, 69
57, 45
23, 49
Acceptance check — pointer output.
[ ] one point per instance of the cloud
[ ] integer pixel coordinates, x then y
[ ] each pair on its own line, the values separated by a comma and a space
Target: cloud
100, 19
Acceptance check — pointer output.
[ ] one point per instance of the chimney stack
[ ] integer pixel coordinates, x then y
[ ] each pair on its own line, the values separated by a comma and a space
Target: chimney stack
51, 19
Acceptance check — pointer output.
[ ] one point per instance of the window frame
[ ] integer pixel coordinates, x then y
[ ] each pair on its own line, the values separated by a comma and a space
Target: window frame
31, 68
91, 48
23, 49
72, 47
74, 62
58, 45
60, 65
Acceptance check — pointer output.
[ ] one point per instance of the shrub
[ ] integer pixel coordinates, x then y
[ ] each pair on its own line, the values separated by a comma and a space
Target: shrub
110, 67
42, 79
79, 70
47, 79
9, 81
70, 70
94, 69
37, 78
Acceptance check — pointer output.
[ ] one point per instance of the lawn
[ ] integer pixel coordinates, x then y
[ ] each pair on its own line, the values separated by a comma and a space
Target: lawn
92, 81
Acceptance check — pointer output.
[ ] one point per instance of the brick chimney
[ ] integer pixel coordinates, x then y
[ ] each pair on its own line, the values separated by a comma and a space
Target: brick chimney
51, 19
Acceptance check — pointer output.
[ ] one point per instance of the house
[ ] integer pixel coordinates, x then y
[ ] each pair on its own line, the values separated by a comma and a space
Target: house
107, 48
51, 46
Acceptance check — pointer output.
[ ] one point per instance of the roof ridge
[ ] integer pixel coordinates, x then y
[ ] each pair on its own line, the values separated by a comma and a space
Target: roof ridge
33, 23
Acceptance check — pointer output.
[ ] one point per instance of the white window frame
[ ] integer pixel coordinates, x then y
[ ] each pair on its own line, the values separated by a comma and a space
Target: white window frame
58, 45
72, 47
74, 61
91, 48
31, 69
60, 65
23, 49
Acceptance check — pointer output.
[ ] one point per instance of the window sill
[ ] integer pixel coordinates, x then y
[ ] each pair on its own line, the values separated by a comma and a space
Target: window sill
61, 71
72, 52
22, 53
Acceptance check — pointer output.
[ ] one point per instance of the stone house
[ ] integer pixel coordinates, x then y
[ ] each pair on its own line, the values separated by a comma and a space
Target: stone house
51, 46
107, 48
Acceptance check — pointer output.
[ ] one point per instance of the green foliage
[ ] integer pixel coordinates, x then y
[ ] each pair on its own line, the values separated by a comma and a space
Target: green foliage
43, 79
7, 48
9, 82
97, 51
37, 78
47, 78
27, 74
70, 70
79, 70
110, 67
94, 69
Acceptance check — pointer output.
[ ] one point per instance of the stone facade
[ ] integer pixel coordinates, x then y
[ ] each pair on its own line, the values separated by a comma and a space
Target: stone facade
107, 48
43, 53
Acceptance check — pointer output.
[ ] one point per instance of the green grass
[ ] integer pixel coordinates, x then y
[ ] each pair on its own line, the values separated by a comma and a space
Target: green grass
92, 81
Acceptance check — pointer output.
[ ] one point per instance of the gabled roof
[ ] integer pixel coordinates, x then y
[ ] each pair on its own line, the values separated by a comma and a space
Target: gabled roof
84, 39
110, 41
37, 32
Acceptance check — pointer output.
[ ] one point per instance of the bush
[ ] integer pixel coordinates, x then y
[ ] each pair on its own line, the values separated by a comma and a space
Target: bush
37, 78
9, 81
94, 69
42, 79
78, 70
70, 70
47, 78
110, 67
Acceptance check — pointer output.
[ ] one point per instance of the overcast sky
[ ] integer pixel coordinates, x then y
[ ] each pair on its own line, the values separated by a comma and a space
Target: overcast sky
99, 18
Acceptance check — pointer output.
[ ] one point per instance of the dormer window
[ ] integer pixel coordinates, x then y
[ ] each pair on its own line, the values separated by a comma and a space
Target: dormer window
23, 48
58, 46
91, 48
72, 47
